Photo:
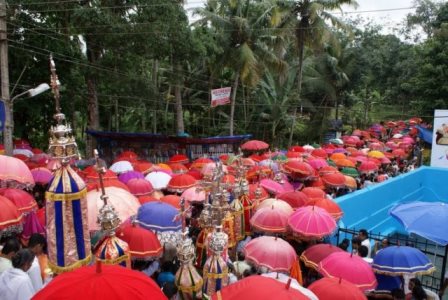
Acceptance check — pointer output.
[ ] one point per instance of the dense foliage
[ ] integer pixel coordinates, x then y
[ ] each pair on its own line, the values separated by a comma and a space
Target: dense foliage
130, 65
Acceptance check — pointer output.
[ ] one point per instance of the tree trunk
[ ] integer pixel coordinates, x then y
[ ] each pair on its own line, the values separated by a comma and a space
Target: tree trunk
155, 71
233, 100
180, 128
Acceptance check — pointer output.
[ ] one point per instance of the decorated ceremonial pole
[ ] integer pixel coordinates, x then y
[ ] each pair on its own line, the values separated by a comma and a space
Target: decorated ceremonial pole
110, 249
66, 202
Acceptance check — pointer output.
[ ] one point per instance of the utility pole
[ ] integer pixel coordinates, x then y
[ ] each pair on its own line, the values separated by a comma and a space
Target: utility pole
4, 72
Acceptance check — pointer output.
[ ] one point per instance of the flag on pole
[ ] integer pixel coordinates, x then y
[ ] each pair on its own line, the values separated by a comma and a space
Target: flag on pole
2, 115
221, 96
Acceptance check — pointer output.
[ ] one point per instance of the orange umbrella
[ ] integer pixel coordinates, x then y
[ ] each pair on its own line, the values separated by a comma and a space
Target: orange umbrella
329, 205
334, 180
10, 217
336, 156
350, 182
344, 162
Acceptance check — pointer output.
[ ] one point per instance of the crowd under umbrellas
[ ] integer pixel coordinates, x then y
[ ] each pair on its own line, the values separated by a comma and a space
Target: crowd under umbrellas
214, 227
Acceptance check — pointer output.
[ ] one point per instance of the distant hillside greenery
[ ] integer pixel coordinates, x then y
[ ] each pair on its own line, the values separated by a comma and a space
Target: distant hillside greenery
142, 66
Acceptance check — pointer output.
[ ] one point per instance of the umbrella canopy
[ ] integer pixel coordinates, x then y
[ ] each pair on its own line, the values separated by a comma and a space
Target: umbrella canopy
316, 253
143, 166
400, 260
158, 179
349, 267
312, 222
334, 180
295, 198
201, 162
344, 162
10, 217
128, 154
125, 177
158, 216
327, 170
178, 168
180, 183
271, 252
273, 202
314, 193
15, 172
41, 175
329, 205
375, 154
317, 163
24, 202
415, 215
299, 168
125, 204
336, 289
122, 167
260, 288
368, 167
294, 284
143, 243
270, 219
350, 182
321, 153
352, 172
272, 186
172, 200
139, 187
101, 282
179, 158
254, 145
193, 195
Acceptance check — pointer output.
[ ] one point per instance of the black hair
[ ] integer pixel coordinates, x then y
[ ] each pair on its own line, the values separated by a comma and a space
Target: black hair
418, 293
398, 294
363, 251
38, 239
22, 257
140, 264
169, 289
241, 256
364, 232
356, 241
344, 244
11, 245
167, 266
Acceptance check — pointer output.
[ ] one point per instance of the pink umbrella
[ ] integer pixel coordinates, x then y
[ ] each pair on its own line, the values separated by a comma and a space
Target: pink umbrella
349, 267
193, 195
271, 252
31, 225
317, 163
272, 186
139, 187
368, 167
254, 145
15, 173
10, 218
280, 204
312, 222
295, 198
270, 219
24, 202
41, 175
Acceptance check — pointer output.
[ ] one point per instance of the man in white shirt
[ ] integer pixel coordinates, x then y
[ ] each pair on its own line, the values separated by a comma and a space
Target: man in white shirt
11, 247
364, 237
37, 243
15, 284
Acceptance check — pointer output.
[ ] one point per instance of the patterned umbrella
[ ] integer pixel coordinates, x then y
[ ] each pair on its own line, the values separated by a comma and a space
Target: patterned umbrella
270, 219
271, 252
24, 202
143, 243
349, 267
180, 183
400, 260
15, 173
275, 203
316, 253
10, 218
312, 222
158, 216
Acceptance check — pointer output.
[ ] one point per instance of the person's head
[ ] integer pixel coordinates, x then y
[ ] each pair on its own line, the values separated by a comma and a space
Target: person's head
23, 259
363, 234
140, 264
363, 251
344, 244
241, 256
385, 243
10, 248
356, 243
37, 243
418, 293
169, 289
167, 266
414, 282
398, 294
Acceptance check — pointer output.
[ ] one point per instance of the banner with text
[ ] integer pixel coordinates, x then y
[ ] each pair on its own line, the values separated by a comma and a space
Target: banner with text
439, 151
221, 96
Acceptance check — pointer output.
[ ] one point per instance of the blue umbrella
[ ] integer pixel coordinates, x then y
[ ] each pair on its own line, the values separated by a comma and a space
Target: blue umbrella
400, 260
426, 219
158, 216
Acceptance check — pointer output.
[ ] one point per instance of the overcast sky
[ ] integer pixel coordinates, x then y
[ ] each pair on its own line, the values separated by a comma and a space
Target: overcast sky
393, 11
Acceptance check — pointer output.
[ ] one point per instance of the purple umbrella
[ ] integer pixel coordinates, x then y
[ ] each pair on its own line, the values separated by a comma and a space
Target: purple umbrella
42, 175
339, 150
32, 225
125, 177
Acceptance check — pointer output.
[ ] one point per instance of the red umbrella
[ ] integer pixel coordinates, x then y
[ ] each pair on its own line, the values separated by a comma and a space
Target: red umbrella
272, 186
256, 158
321, 153
271, 252
329, 205
314, 193
145, 199
327, 170
128, 154
295, 198
24, 202
254, 145
293, 155
178, 168
200, 162
336, 289
10, 217
142, 243
179, 158
349, 267
260, 288
312, 222
41, 175
298, 168
143, 166
172, 200
95, 185
297, 149
180, 183
22, 157
368, 167
399, 153
270, 219
318, 184
92, 175
317, 163
101, 282
139, 187
334, 180
314, 254
14, 171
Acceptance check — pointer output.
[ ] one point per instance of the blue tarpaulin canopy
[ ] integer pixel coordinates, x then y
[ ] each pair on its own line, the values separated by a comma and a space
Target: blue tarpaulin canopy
425, 134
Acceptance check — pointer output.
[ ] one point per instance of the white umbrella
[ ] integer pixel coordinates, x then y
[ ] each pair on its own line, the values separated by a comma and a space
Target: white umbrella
26, 152
159, 180
294, 284
122, 167
308, 148
397, 136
